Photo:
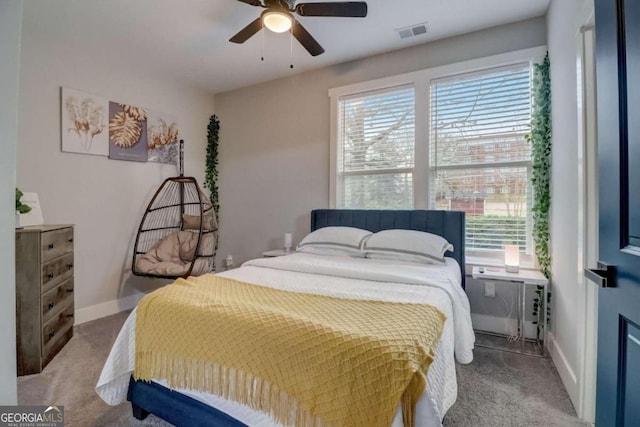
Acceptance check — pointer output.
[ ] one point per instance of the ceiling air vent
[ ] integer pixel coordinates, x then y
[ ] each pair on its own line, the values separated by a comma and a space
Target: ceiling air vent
413, 30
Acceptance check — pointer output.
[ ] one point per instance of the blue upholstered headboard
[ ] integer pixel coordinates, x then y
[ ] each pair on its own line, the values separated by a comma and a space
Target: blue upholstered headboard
448, 224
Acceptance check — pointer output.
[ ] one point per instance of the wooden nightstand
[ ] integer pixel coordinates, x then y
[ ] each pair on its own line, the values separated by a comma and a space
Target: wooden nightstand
522, 278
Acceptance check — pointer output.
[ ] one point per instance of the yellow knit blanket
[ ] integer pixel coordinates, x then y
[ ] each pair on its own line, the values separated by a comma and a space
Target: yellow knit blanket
306, 360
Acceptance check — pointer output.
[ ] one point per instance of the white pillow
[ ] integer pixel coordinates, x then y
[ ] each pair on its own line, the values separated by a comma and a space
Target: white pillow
407, 245
335, 241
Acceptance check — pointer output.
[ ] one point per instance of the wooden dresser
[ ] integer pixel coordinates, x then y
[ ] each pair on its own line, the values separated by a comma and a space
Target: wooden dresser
44, 294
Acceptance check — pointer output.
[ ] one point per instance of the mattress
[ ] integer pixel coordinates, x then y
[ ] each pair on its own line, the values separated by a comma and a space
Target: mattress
339, 277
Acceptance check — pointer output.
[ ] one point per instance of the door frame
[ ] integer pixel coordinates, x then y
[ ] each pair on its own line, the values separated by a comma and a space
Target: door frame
588, 212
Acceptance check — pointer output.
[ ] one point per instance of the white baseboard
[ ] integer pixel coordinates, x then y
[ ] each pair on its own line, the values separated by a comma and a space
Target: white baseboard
501, 325
97, 311
567, 375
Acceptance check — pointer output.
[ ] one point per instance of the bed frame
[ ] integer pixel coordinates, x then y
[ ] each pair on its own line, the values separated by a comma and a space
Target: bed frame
180, 410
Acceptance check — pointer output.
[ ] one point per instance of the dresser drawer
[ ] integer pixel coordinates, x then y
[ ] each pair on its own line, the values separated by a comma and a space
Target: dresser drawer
56, 242
56, 271
57, 299
56, 328
56, 345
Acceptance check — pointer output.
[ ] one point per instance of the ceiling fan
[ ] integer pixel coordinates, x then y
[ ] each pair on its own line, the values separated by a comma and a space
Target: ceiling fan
278, 17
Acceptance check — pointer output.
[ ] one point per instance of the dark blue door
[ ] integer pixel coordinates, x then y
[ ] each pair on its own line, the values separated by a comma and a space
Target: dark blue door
618, 69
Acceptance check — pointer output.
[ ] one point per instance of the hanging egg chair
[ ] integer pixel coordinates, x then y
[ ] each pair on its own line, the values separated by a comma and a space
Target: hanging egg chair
178, 233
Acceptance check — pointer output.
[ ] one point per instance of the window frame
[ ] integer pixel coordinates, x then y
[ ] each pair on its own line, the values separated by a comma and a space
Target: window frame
421, 80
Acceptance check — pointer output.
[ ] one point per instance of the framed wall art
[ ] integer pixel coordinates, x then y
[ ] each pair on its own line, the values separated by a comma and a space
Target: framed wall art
84, 123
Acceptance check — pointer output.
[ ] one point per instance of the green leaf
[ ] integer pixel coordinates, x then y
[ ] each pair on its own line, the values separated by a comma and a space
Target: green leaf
21, 207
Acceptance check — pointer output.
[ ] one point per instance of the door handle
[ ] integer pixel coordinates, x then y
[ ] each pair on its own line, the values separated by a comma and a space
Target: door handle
604, 276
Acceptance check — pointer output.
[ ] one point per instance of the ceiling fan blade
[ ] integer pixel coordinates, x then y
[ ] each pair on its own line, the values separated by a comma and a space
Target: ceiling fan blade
306, 39
347, 9
246, 33
252, 2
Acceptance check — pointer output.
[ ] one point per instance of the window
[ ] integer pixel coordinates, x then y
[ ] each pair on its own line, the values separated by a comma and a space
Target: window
451, 137
377, 147
469, 113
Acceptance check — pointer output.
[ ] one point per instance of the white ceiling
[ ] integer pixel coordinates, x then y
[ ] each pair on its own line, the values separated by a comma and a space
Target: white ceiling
188, 39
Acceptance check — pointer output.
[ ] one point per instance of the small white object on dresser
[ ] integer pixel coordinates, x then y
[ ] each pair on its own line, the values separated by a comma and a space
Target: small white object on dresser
34, 216
522, 278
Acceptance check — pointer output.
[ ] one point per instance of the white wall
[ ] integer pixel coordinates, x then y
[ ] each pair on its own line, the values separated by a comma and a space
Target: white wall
274, 138
10, 22
563, 27
104, 198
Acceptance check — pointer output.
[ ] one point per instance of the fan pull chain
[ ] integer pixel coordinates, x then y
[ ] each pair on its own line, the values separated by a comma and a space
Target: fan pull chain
291, 45
262, 56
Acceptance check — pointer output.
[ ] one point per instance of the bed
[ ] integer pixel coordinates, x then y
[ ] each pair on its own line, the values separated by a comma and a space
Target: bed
341, 277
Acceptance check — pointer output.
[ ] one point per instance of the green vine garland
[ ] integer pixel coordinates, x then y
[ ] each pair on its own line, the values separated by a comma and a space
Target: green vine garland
540, 140
211, 173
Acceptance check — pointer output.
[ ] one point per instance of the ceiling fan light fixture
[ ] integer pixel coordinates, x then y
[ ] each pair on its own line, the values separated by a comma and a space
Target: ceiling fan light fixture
279, 18
277, 21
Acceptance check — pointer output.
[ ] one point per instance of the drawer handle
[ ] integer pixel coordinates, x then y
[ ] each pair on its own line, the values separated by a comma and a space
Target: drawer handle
69, 266
70, 290
69, 315
50, 305
52, 334
50, 245
71, 240
50, 276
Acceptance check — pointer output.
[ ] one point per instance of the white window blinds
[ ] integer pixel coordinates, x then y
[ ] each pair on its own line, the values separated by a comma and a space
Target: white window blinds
376, 145
480, 160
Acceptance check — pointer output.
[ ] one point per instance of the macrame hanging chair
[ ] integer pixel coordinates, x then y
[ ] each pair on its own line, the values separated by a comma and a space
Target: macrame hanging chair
178, 233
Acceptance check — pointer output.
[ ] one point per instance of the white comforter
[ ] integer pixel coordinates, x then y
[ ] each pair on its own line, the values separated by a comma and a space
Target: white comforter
340, 277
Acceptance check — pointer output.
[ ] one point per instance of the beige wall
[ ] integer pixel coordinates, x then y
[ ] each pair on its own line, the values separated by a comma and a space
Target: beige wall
274, 139
104, 198
10, 21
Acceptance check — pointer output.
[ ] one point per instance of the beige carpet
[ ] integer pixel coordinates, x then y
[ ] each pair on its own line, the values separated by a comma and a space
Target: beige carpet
497, 389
